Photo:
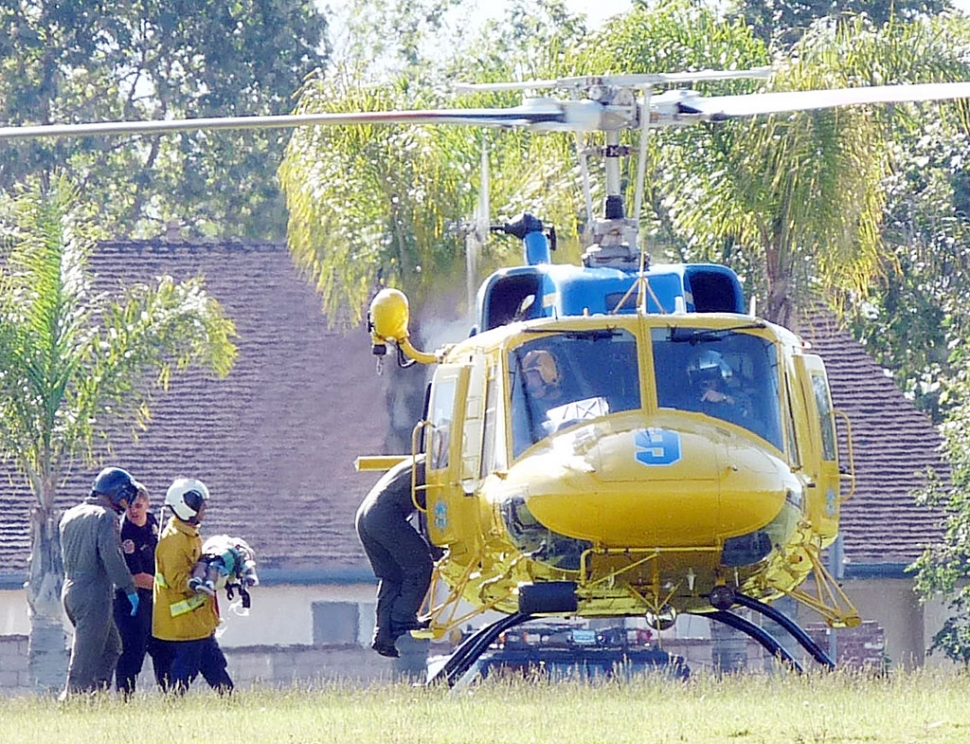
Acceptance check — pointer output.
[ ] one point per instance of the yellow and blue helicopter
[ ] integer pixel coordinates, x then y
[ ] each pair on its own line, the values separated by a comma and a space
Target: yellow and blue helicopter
617, 439
613, 439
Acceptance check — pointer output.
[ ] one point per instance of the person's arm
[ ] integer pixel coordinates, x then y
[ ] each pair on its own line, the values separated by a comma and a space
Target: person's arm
144, 580
716, 396
109, 548
176, 562
145, 572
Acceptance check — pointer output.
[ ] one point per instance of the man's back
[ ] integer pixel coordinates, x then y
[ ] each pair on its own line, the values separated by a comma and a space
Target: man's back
91, 546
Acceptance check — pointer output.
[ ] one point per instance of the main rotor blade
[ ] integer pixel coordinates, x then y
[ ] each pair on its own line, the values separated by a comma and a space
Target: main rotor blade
725, 107
534, 113
541, 114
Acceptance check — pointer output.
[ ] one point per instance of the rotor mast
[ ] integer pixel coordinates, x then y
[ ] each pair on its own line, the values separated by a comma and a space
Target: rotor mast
612, 238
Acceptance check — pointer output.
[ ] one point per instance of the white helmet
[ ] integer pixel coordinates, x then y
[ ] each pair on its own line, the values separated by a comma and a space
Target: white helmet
709, 365
186, 496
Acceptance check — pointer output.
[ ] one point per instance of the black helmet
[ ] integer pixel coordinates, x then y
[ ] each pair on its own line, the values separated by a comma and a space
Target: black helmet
117, 485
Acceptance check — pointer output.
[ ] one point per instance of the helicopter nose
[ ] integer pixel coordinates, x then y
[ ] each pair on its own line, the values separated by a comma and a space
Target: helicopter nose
654, 487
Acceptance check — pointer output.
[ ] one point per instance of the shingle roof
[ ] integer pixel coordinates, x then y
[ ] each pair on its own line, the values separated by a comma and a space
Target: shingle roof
275, 441
893, 442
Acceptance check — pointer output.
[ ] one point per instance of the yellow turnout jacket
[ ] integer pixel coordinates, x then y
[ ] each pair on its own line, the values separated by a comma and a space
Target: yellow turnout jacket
179, 614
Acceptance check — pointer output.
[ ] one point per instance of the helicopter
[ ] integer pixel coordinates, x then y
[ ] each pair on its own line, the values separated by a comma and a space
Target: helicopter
686, 459
689, 462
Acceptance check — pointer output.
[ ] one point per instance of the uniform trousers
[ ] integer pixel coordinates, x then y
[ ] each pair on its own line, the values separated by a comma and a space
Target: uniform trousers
190, 658
136, 641
401, 559
97, 644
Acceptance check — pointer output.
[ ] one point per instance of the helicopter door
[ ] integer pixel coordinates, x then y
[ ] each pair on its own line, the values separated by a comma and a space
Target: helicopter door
473, 428
443, 440
821, 461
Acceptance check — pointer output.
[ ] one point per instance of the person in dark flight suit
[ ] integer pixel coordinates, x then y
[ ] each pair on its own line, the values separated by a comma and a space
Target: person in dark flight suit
400, 557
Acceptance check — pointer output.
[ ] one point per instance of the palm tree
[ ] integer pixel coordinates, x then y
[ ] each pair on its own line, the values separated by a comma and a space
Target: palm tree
374, 206
73, 363
802, 197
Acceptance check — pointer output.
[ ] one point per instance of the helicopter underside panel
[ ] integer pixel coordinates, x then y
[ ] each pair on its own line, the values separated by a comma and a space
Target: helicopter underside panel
624, 581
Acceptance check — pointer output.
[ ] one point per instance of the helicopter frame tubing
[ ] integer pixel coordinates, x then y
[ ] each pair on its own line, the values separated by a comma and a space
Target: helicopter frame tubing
638, 558
435, 612
442, 619
829, 600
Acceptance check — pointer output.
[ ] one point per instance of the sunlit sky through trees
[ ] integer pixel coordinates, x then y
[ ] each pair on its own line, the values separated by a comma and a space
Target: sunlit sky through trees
596, 11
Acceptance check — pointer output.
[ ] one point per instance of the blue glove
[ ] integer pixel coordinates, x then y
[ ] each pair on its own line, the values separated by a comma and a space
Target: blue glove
133, 598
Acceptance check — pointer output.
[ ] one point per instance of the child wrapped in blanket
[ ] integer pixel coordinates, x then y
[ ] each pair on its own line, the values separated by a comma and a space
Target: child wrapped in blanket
226, 562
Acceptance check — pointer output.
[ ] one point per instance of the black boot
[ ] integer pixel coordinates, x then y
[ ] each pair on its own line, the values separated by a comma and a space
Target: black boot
384, 644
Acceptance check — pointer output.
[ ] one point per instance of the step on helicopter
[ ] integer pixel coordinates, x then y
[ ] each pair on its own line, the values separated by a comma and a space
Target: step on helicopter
613, 439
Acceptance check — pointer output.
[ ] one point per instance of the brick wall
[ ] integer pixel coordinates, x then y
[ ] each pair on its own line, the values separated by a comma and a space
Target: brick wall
862, 647
13, 662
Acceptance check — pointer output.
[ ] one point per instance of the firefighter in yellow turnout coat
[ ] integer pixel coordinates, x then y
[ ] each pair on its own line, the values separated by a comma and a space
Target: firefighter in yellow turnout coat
184, 619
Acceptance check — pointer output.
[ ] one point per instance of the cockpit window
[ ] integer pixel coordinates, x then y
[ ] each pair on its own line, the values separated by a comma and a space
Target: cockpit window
727, 374
559, 379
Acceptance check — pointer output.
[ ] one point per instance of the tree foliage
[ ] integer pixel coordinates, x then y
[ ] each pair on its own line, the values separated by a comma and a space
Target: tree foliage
84, 60
784, 23
794, 203
386, 206
76, 362
800, 199
917, 312
374, 205
943, 570
917, 316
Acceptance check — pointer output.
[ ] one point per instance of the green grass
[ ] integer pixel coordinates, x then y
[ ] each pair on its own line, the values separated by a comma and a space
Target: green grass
903, 707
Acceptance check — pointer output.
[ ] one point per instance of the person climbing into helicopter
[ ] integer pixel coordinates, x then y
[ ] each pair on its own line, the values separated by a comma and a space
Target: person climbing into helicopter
710, 377
400, 556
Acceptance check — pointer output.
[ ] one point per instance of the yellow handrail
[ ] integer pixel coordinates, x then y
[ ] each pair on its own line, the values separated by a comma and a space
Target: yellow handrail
851, 453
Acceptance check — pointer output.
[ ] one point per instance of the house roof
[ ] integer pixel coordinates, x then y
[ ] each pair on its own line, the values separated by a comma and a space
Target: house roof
276, 440
893, 444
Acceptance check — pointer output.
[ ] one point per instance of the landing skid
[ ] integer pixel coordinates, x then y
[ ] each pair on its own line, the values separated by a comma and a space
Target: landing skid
766, 639
463, 657
759, 634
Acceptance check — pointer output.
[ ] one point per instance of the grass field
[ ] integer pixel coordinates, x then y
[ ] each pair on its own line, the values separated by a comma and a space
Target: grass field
903, 707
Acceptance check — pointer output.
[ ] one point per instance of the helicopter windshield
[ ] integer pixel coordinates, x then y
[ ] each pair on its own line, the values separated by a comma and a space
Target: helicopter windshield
559, 379
723, 373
